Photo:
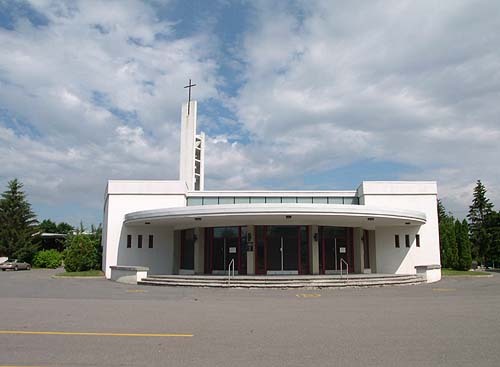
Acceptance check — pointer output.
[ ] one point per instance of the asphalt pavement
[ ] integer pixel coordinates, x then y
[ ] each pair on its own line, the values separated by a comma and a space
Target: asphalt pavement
96, 322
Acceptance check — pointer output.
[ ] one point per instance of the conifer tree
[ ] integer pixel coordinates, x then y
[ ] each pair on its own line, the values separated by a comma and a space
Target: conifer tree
17, 224
448, 242
463, 245
441, 211
493, 231
478, 211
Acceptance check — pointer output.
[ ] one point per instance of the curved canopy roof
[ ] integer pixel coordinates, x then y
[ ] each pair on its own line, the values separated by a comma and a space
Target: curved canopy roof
276, 214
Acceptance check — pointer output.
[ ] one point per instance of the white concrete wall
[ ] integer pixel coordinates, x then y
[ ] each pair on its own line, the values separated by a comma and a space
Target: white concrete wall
188, 132
129, 196
420, 196
158, 259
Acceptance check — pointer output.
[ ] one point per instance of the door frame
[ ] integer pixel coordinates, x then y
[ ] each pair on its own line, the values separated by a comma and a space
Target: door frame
264, 238
349, 244
210, 232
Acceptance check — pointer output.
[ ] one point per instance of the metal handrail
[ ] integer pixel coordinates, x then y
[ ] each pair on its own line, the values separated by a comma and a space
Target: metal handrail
231, 265
346, 268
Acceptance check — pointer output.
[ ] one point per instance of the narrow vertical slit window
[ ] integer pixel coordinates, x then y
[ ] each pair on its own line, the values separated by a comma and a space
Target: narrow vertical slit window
139, 241
396, 240
417, 240
407, 240
129, 241
151, 241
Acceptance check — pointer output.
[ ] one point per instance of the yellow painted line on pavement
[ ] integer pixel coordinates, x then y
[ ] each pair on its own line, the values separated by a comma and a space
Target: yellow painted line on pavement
308, 295
23, 332
136, 291
443, 289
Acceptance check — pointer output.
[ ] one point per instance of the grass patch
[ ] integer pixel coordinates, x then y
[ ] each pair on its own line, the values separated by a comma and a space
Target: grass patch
452, 272
88, 273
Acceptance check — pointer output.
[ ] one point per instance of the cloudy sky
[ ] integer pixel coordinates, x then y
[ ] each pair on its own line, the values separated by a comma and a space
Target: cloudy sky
292, 95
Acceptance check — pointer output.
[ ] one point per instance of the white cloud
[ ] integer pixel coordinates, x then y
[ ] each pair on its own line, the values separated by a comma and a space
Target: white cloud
328, 84
95, 95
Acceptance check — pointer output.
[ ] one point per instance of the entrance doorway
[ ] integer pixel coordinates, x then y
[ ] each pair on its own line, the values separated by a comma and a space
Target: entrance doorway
224, 245
282, 250
187, 250
335, 246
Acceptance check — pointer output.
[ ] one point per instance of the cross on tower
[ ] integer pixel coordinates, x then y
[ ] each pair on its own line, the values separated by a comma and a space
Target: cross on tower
189, 86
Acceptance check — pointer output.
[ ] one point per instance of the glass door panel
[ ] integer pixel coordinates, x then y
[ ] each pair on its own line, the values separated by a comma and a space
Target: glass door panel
282, 248
260, 250
290, 250
333, 248
273, 250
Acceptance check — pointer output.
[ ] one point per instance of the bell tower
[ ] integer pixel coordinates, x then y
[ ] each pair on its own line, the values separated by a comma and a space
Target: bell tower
191, 165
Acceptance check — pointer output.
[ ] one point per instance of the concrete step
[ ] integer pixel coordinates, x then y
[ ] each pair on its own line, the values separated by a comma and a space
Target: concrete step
283, 283
276, 279
319, 281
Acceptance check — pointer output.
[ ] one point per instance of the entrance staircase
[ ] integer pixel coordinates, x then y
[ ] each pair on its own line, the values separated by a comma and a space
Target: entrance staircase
281, 281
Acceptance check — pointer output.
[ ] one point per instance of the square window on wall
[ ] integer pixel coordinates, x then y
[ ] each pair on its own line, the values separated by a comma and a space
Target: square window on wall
417, 240
396, 240
407, 240
139, 241
150, 241
129, 241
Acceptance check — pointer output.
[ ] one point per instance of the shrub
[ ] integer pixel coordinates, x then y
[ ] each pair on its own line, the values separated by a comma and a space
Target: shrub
47, 259
81, 253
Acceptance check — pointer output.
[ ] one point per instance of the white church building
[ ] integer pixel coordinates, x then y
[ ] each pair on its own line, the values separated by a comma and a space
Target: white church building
177, 227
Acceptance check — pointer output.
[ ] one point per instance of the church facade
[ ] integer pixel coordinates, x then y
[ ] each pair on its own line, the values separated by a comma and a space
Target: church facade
177, 227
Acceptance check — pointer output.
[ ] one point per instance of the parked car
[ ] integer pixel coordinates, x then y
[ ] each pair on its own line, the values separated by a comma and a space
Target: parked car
15, 265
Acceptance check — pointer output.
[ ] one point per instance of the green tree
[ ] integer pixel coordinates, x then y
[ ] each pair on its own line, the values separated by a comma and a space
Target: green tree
441, 211
478, 211
65, 228
47, 259
82, 253
47, 226
492, 224
447, 238
18, 224
463, 245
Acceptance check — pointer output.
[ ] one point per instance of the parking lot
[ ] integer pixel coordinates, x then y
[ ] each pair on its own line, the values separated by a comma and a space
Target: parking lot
95, 322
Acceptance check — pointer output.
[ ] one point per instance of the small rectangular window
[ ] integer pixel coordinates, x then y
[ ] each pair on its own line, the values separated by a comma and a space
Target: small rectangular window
318, 200
417, 240
139, 241
241, 200
351, 200
304, 200
335, 200
407, 240
150, 241
226, 200
210, 201
194, 201
273, 200
257, 200
396, 240
129, 241
288, 199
